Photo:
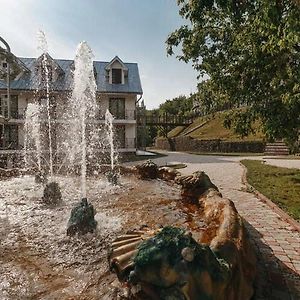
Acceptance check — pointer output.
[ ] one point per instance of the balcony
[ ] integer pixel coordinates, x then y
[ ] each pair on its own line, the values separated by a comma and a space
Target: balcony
18, 114
127, 143
128, 114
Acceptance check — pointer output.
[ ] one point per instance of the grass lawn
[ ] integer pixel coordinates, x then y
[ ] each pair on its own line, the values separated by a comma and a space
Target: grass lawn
281, 185
227, 153
214, 129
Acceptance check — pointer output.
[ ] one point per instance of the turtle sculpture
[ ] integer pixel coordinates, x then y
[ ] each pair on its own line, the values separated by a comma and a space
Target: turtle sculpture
194, 185
82, 219
168, 264
147, 170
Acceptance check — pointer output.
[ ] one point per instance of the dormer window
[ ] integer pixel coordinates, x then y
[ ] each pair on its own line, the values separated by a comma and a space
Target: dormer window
116, 71
116, 76
46, 72
47, 69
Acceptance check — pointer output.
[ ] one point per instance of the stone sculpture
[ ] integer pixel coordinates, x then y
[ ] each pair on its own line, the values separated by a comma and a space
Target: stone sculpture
82, 219
167, 173
147, 170
194, 185
52, 194
172, 265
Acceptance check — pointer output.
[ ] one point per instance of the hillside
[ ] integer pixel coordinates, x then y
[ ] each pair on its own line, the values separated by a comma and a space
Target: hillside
211, 127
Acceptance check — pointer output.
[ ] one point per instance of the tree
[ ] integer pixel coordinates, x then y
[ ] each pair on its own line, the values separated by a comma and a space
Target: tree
210, 98
180, 105
250, 51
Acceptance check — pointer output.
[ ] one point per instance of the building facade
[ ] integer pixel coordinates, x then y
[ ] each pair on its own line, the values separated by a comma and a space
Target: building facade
118, 89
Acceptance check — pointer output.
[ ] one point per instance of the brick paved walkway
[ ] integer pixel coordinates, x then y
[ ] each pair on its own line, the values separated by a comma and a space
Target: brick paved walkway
277, 244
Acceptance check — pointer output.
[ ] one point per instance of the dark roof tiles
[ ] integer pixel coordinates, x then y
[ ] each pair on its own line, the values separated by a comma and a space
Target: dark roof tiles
30, 81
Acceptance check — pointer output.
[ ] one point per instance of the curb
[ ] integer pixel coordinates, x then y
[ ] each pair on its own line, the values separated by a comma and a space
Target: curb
282, 214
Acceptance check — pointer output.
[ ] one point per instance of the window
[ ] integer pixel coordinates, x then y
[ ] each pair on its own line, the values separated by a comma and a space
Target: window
10, 137
116, 76
4, 65
117, 107
13, 106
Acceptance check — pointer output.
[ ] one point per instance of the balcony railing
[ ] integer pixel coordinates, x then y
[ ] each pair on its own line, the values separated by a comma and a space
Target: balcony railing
127, 143
15, 113
128, 114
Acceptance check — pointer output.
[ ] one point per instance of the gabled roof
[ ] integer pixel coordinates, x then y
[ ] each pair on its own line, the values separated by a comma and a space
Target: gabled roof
49, 58
13, 60
30, 81
116, 58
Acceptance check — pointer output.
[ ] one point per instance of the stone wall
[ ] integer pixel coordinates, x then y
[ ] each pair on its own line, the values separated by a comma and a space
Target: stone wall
186, 143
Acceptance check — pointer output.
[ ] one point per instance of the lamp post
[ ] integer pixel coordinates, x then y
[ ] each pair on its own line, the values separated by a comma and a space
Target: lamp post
8, 75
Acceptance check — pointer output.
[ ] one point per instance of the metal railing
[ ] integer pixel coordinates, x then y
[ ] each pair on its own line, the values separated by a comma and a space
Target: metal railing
127, 114
126, 143
14, 113
130, 143
164, 119
19, 114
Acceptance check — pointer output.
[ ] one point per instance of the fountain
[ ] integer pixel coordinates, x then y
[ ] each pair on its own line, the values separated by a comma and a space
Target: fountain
188, 248
32, 143
112, 175
43, 46
83, 106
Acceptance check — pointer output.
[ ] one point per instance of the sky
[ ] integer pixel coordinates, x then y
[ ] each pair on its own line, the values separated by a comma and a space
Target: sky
135, 30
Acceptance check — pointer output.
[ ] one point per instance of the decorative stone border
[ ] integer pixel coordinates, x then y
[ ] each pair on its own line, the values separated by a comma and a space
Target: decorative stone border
225, 237
267, 201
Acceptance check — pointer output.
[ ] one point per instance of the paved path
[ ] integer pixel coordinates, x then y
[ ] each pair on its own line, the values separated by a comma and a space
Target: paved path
276, 242
285, 163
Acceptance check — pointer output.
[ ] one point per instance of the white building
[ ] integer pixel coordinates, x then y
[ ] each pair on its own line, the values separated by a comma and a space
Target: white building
118, 89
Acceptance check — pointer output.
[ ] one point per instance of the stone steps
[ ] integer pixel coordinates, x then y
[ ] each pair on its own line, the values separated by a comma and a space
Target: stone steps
277, 148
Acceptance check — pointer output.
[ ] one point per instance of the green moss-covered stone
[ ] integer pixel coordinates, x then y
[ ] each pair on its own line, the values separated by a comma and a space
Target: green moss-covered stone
82, 219
173, 263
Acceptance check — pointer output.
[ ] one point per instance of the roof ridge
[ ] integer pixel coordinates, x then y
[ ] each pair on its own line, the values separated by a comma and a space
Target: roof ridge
71, 60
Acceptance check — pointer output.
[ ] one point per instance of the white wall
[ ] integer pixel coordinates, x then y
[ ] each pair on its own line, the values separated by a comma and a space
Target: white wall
28, 97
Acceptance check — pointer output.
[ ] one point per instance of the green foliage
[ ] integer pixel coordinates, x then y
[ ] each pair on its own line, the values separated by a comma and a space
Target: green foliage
210, 98
250, 52
180, 105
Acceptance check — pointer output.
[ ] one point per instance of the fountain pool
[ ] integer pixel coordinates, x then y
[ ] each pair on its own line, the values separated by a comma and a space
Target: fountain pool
39, 261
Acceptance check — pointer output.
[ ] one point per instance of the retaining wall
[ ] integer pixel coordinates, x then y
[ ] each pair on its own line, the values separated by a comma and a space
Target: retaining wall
186, 143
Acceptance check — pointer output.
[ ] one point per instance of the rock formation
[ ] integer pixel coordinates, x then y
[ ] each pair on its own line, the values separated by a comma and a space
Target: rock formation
147, 170
167, 173
193, 186
82, 219
170, 264
52, 194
